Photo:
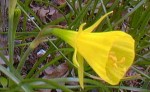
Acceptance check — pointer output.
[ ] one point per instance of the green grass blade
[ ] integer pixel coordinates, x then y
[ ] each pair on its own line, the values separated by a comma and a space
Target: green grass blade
108, 20
49, 82
143, 74
14, 78
128, 14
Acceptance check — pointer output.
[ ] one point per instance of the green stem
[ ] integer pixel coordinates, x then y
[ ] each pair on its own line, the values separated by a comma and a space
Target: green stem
11, 8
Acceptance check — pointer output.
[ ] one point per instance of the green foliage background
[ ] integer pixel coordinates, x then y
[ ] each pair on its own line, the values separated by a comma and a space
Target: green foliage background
131, 16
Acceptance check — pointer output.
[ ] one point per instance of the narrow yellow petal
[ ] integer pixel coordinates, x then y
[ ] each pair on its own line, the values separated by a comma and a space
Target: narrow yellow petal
80, 70
81, 27
75, 58
91, 28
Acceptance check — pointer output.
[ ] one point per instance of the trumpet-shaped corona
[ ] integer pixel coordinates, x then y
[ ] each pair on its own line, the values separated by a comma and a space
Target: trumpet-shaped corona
110, 54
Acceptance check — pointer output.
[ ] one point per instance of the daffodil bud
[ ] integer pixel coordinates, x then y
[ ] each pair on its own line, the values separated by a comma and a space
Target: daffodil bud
17, 14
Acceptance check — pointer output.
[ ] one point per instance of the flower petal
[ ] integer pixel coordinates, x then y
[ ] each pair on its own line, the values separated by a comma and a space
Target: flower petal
80, 69
81, 27
75, 58
91, 28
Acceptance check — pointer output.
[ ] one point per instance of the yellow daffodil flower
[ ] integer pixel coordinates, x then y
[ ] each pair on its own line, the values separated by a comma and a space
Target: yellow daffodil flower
110, 54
